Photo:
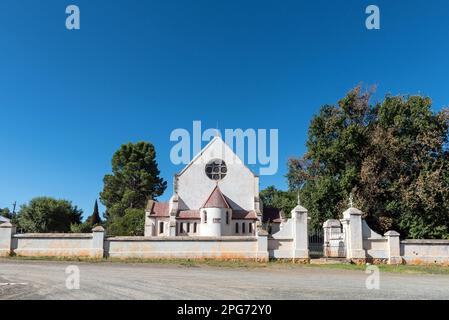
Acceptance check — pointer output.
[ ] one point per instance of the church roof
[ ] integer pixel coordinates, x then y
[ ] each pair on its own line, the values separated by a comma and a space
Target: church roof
216, 200
189, 214
158, 209
244, 215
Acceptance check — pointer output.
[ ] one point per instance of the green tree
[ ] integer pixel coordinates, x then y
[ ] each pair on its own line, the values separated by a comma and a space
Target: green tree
393, 156
131, 224
45, 214
282, 200
134, 180
330, 169
83, 227
5, 213
405, 169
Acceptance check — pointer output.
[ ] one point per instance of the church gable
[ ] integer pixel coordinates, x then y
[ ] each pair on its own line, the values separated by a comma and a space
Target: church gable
216, 165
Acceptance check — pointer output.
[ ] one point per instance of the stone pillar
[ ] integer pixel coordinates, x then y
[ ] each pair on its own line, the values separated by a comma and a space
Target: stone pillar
352, 224
394, 247
97, 242
262, 245
7, 230
300, 233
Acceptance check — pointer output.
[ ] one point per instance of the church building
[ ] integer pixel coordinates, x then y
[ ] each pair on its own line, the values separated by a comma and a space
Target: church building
214, 195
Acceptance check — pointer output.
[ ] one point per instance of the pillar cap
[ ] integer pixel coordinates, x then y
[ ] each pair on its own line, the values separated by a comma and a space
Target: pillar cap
392, 233
300, 208
332, 223
98, 229
6, 225
352, 212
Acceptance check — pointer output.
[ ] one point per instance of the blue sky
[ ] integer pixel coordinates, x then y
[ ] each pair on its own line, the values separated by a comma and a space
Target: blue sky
137, 69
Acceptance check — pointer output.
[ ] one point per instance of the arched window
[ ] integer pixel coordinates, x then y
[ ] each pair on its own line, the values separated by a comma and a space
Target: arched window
250, 227
236, 227
227, 217
205, 216
188, 227
194, 227
243, 227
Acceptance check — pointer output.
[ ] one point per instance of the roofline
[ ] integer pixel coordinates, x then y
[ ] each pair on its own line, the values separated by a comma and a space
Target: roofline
222, 196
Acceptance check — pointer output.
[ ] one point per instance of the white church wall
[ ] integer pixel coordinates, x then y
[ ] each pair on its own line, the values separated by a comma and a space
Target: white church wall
194, 186
187, 227
213, 226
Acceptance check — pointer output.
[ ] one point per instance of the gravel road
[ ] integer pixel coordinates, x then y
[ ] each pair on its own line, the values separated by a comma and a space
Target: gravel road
47, 280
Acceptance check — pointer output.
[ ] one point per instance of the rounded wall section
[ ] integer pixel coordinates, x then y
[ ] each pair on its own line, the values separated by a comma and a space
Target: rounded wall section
211, 221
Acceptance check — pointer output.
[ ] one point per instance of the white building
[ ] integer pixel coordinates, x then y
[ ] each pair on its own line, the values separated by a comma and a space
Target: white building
214, 195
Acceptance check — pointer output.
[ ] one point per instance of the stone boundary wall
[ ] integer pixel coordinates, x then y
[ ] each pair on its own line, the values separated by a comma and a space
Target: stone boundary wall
51, 244
425, 251
389, 248
95, 245
187, 247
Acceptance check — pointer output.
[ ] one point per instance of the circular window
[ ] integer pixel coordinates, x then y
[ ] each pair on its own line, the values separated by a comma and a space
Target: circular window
216, 169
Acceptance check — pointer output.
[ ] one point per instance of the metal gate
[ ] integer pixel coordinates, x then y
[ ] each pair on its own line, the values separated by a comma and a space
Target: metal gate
316, 242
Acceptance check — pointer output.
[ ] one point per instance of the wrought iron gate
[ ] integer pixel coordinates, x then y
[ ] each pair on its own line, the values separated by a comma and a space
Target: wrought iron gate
316, 242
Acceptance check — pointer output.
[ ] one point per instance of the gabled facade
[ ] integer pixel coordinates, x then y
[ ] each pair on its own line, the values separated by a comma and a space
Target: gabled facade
214, 195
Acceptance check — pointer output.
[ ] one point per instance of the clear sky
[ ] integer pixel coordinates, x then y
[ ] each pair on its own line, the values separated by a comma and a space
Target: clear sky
138, 69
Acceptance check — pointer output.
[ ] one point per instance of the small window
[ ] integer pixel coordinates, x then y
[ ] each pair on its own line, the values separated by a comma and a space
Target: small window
205, 216
236, 227
250, 227
161, 227
227, 217
194, 227
243, 227
188, 227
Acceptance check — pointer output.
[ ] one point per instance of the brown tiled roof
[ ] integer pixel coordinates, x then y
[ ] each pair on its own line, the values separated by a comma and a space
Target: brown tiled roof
243, 214
272, 215
216, 200
158, 209
188, 214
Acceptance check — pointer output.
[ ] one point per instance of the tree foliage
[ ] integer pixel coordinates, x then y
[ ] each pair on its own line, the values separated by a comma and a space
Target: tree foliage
45, 214
134, 180
5, 212
282, 200
131, 224
393, 156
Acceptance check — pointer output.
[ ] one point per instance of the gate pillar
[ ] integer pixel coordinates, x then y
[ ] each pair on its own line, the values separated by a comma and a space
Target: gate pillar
352, 228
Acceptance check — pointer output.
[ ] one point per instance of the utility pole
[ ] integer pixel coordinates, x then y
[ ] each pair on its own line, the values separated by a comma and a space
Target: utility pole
14, 207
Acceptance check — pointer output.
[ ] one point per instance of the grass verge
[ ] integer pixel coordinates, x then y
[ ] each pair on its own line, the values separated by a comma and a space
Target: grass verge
250, 264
